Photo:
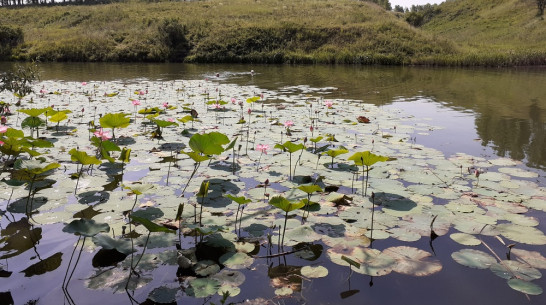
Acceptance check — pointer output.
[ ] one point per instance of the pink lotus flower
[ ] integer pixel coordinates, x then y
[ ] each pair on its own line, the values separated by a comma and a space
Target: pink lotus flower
1, 143
84, 83
141, 92
103, 135
135, 102
233, 101
170, 120
43, 91
3, 129
166, 105
288, 123
249, 111
263, 148
217, 106
328, 104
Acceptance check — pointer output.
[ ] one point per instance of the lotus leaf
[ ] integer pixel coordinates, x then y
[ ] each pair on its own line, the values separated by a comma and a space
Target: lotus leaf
509, 269
236, 260
465, 239
413, 261
86, 227
525, 287
121, 245
473, 258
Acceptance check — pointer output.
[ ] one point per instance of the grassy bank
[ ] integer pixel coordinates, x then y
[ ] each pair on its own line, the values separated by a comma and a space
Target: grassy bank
266, 31
491, 32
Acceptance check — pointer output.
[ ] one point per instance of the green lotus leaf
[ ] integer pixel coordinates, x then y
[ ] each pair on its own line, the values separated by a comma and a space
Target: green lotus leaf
83, 158
139, 188
186, 119
13, 133
367, 158
115, 120
236, 260
151, 226
413, 261
336, 152
522, 234
203, 189
163, 124
209, 143
107, 242
290, 147
314, 272
252, 99
525, 287
238, 200
465, 239
125, 155
33, 112
86, 227
197, 157
508, 269
317, 139
13, 183
203, 287
206, 268
284, 204
32, 122
58, 117
105, 145
39, 143
310, 188
35, 167
231, 144
533, 258
473, 258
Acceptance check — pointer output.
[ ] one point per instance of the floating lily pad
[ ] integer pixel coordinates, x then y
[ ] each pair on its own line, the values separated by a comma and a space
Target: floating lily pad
314, 272
525, 287
203, 287
413, 261
465, 239
473, 258
236, 260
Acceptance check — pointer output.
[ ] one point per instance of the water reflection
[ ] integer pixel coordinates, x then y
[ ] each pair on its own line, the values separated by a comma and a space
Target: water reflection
508, 106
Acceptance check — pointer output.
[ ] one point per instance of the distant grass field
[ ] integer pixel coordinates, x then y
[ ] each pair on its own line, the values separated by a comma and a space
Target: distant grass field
492, 32
267, 31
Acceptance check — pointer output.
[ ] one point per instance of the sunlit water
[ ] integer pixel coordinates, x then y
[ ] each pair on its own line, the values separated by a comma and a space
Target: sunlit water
483, 113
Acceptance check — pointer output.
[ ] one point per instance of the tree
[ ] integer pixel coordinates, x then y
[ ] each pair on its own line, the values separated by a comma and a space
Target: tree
20, 79
541, 4
398, 8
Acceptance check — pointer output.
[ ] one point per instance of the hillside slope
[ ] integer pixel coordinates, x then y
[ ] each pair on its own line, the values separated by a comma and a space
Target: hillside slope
502, 29
266, 31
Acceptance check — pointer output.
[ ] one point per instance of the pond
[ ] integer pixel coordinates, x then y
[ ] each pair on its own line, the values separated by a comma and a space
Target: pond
457, 212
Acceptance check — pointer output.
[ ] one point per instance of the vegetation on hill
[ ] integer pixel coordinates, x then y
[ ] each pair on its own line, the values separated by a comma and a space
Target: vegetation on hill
461, 32
492, 32
267, 31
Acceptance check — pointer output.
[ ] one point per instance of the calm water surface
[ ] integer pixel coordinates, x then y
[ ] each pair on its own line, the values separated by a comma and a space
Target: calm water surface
480, 112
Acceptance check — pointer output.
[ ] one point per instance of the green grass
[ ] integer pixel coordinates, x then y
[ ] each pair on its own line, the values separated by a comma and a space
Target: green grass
267, 31
466, 32
492, 32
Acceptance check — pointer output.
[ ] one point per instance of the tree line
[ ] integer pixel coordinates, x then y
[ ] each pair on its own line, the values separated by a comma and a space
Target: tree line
52, 2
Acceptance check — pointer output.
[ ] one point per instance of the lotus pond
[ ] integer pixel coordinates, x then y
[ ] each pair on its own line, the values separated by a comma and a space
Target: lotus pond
218, 189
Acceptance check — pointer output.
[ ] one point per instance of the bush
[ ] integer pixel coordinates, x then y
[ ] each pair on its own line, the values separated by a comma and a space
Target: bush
10, 37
